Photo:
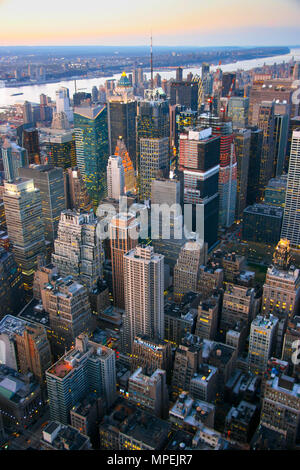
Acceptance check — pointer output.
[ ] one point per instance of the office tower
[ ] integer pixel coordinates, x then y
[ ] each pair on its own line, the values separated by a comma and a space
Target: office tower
95, 94
281, 127
179, 74
88, 367
203, 385
50, 182
151, 354
77, 248
179, 321
228, 82
268, 90
240, 422
60, 148
45, 109
129, 177
58, 437
76, 194
152, 122
11, 284
188, 358
276, 191
282, 285
199, 164
30, 141
280, 407
185, 94
210, 278
208, 317
14, 157
121, 115
27, 113
186, 272
29, 345
82, 98
123, 234
262, 223
254, 165
227, 169
291, 217
23, 210
154, 157
266, 123
115, 177
261, 342
62, 98
242, 143
149, 391
20, 398
238, 108
60, 121
144, 294
91, 139
167, 192
68, 306
238, 306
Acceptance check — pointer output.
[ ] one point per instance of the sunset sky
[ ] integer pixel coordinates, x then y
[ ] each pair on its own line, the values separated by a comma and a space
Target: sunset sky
129, 22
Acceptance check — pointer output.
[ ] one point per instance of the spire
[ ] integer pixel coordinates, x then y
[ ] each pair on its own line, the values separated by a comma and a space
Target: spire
151, 61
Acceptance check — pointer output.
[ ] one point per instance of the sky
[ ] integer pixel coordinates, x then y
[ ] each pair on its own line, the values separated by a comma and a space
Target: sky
129, 22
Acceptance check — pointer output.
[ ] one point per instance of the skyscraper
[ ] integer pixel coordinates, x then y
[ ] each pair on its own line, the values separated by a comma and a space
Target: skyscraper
129, 173
60, 148
254, 165
91, 137
63, 102
11, 284
50, 182
14, 157
238, 108
242, 142
266, 123
115, 177
144, 294
78, 249
23, 210
199, 164
291, 216
76, 194
88, 368
30, 141
154, 157
261, 342
123, 230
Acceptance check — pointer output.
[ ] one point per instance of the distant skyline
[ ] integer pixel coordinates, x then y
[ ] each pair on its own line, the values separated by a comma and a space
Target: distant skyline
173, 22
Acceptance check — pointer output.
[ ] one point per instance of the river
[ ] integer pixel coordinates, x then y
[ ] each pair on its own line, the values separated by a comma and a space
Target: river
32, 92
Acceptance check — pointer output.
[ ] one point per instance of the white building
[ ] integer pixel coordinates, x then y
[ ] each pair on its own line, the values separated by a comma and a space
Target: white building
115, 177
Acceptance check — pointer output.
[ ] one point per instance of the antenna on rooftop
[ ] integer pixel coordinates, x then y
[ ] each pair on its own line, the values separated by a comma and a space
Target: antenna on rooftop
151, 61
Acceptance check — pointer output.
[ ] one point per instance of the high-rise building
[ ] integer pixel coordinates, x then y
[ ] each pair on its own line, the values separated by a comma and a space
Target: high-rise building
208, 317
115, 178
228, 82
11, 284
149, 391
281, 128
129, 173
27, 113
268, 90
88, 367
238, 108
121, 116
151, 354
261, 342
78, 249
227, 168
282, 285
291, 217
30, 141
154, 158
23, 211
60, 148
14, 157
242, 142
262, 223
76, 194
238, 305
123, 230
199, 164
69, 311
186, 272
266, 123
144, 294
185, 94
275, 191
63, 102
91, 137
50, 182
254, 165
